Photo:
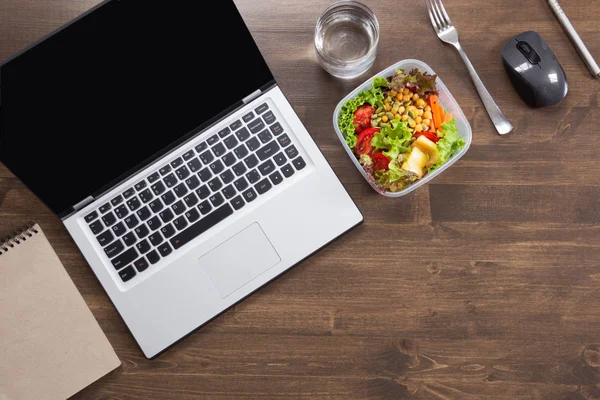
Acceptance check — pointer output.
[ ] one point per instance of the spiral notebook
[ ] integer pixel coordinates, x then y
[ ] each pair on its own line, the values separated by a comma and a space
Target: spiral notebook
51, 346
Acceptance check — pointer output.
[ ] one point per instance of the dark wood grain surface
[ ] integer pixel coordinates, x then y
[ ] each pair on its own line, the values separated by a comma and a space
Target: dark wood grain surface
484, 284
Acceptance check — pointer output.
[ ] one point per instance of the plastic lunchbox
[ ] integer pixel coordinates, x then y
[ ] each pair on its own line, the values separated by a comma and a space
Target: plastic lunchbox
446, 100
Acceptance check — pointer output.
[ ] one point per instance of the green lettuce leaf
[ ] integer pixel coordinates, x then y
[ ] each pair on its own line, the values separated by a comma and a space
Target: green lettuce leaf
449, 145
373, 96
393, 140
380, 82
395, 177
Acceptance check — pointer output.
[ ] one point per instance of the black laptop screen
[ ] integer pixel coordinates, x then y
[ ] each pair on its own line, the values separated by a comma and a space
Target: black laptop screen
119, 87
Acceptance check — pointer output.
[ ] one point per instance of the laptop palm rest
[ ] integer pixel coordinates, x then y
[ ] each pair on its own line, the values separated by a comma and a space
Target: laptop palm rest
239, 260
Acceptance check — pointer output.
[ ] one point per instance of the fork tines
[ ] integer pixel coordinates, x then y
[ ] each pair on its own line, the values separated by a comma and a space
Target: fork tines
438, 15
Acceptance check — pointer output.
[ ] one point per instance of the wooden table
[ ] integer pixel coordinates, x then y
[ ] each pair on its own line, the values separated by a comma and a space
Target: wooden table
484, 284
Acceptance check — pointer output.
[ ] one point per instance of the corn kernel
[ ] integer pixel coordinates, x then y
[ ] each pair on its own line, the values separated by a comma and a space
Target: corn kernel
420, 103
427, 122
393, 93
406, 98
412, 124
399, 96
397, 116
420, 112
384, 119
406, 91
405, 117
418, 128
401, 110
427, 115
428, 108
415, 97
388, 107
418, 120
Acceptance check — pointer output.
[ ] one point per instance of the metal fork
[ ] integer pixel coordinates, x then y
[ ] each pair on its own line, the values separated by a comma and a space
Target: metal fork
447, 33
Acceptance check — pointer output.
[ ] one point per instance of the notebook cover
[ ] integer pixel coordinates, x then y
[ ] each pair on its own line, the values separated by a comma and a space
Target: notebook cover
51, 346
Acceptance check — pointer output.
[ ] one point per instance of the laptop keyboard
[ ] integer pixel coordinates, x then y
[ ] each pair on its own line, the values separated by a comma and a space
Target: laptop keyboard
194, 192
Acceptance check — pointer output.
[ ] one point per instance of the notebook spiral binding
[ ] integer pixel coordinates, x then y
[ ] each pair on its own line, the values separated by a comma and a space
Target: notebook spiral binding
18, 236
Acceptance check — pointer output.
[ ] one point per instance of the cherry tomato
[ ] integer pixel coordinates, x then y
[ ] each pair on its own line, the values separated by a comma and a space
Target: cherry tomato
380, 162
363, 143
362, 117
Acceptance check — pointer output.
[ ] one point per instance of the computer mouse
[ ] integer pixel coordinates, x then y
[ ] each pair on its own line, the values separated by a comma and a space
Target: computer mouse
534, 70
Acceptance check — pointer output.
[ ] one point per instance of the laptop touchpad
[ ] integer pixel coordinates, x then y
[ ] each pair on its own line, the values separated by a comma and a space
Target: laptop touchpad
239, 260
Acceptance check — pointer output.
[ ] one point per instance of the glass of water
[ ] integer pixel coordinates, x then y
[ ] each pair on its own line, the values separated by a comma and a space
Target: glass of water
346, 38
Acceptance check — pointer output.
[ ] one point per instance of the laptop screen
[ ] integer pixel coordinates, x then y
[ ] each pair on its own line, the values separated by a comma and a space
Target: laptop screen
119, 87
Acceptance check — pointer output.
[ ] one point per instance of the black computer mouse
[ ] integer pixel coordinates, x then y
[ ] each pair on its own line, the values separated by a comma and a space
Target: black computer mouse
534, 70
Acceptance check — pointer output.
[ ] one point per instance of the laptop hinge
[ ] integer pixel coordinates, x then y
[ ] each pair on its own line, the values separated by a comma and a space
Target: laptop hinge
82, 204
252, 96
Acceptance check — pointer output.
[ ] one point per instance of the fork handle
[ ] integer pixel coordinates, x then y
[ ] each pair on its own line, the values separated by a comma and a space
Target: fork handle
499, 120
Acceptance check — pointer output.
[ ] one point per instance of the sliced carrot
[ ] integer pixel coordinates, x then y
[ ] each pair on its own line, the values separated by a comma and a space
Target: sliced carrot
434, 103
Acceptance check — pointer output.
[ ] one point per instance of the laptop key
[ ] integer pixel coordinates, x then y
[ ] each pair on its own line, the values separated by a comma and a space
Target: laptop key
125, 259
177, 162
263, 186
154, 177
287, 170
155, 239
133, 203
129, 192
203, 192
219, 150
217, 167
127, 274
241, 184
236, 125
284, 140
167, 231
267, 151
178, 208
105, 208
105, 238
146, 195
108, 220
207, 157
269, 117
165, 170
253, 176
156, 206
267, 167
131, 221
143, 247
168, 198
195, 165
180, 190
141, 265
256, 126
113, 249
158, 188
277, 129
248, 117
201, 226
238, 203
229, 192
212, 140
192, 182
190, 200
165, 249
265, 136
249, 195
299, 163
292, 152
216, 199
241, 151
224, 132
180, 223
242, 134
192, 215
240, 169
276, 178
140, 185
279, 159
153, 257
205, 174
189, 155
166, 215
182, 173
170, 180
116, 201
142, 231
251, 161
129, 239
227, 176
144, 213
154, 223
229, 159
231, 142
215, 185
205, 207
201, 147
91, 216
262, 108
253, 144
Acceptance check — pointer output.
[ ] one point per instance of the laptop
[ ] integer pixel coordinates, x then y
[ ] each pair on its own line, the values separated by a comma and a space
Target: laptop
172, 157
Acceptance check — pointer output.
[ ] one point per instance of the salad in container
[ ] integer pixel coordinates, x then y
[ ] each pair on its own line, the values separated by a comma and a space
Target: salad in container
402, 128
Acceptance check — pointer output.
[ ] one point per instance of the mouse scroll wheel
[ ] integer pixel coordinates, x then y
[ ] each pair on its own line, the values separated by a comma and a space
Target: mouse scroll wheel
529, 52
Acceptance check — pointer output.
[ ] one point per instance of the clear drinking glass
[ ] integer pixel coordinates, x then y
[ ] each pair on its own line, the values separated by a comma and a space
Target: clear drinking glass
346, 39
